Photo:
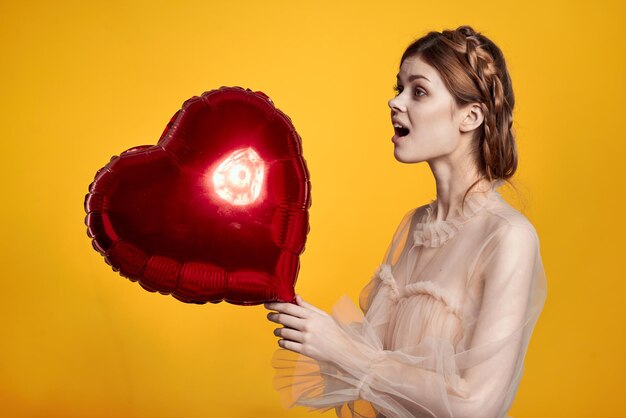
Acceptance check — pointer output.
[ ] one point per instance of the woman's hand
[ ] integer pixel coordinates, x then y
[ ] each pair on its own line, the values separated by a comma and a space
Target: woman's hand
306, 329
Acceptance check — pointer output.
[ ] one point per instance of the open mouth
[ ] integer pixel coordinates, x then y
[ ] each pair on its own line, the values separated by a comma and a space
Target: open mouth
400, 130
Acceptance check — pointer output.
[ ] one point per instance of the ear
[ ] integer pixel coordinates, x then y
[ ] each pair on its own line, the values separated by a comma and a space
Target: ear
473, 117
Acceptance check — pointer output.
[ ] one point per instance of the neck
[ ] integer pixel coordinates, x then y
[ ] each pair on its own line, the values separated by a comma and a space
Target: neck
452, 182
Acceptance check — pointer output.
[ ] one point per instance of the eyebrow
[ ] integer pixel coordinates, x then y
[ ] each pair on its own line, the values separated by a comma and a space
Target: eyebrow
413, 77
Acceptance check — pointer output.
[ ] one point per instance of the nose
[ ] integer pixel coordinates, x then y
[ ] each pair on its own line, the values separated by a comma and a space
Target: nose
396, 104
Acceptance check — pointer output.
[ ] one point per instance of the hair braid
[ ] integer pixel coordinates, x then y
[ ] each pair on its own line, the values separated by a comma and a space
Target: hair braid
481, 66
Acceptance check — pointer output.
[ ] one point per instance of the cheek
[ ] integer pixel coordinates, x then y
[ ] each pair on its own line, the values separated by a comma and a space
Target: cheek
433, 119
433, 134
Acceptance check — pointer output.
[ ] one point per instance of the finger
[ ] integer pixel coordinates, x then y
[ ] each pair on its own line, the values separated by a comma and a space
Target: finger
307, 305
289, 334
289, 308
290, 345
273, 305
286, 320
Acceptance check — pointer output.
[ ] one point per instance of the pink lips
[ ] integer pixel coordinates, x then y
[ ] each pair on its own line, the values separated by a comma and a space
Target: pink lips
397, 139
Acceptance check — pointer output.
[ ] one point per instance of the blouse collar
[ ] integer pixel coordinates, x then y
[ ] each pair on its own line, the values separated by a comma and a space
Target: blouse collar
434, 233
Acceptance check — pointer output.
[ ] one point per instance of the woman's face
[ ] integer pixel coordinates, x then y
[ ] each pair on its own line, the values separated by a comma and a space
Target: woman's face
426, 111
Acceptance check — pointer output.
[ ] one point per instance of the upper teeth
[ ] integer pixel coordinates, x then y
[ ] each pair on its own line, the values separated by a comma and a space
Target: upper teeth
397, 125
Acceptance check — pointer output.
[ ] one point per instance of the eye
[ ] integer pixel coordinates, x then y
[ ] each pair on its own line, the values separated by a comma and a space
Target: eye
398, 89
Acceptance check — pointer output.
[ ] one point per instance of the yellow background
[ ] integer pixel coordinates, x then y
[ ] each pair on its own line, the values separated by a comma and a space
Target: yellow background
82, 81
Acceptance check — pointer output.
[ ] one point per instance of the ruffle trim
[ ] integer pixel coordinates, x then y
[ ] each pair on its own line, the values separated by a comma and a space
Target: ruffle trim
425, 287
435, 233
325, 385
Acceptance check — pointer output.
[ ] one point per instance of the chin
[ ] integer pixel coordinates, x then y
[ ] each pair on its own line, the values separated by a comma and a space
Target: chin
406, 151
406, 159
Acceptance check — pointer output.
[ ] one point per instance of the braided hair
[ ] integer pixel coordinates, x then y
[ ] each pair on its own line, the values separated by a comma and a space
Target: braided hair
474, 71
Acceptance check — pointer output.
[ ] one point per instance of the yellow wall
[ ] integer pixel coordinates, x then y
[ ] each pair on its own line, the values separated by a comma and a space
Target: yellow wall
81, 81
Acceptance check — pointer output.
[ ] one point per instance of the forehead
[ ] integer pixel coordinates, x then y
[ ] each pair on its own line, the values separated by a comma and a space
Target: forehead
416, 66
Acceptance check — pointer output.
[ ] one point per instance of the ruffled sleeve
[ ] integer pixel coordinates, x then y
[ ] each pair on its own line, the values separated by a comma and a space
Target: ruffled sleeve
434, 378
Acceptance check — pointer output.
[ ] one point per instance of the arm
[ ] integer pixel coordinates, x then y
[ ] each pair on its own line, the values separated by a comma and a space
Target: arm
478, 382
489, 371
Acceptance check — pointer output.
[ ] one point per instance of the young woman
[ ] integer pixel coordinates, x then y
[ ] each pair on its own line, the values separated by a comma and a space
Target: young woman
449, 313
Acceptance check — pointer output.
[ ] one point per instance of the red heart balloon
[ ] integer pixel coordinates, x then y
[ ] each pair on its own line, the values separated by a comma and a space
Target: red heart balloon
217, 210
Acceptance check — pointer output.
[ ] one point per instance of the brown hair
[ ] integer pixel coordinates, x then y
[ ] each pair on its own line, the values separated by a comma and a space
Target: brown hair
474, 71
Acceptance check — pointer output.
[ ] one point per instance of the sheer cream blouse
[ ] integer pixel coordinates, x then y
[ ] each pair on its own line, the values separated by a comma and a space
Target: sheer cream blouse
447, 318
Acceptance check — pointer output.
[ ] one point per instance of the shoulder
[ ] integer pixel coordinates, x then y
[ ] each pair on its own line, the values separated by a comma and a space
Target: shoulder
508, 239
419, 213
512, 248
507, 223
410, 217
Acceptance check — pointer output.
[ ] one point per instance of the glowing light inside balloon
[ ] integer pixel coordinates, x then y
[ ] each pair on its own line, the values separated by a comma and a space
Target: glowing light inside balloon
239, 178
